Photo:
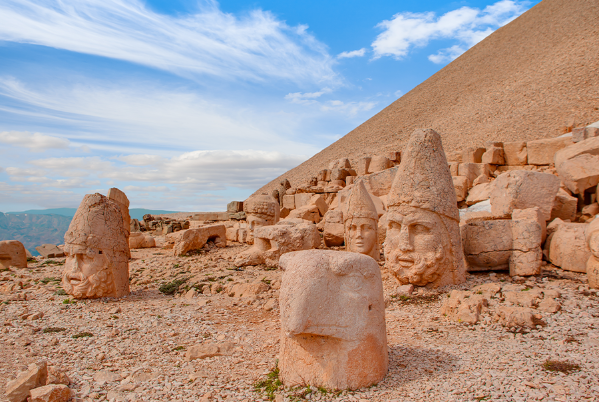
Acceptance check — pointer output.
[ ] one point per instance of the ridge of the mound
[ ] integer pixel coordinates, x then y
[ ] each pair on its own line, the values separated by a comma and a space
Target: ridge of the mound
528, 80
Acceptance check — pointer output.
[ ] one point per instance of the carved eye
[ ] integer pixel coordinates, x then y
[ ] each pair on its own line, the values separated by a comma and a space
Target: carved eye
420, 229
394, 225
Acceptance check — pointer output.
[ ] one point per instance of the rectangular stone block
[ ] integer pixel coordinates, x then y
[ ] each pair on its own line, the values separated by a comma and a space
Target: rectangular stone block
453, 168
515, 153
211, 216
363, 166
472, 170
379, 183
487, 244
302, 199
473, 155
541, 152
235, 206
289, 201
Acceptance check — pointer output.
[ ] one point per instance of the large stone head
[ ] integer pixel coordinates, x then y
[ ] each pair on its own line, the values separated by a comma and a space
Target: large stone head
332, 320
97, 263
423, 244
361, 223
261, 210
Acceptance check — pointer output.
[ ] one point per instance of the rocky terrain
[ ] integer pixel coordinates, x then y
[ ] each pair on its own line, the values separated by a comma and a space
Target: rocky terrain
536, 65
216, 337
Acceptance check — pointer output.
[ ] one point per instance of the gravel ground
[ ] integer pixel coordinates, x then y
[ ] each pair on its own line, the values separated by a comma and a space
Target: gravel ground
137, 347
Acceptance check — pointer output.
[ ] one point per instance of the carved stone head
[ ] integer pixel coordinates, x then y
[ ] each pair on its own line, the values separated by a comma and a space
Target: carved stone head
361, 223
261, 210
97, 263
332, 320
423, 244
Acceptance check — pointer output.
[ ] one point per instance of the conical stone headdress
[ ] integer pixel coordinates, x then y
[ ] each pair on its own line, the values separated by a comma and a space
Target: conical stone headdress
423, 179
359, 204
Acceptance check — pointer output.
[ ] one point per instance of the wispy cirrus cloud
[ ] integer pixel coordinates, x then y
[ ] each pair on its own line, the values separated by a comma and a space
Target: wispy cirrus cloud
254, 47
466, 25
35, 142
353, 53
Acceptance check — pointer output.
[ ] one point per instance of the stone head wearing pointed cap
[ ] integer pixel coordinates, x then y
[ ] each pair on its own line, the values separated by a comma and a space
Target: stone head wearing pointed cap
423, 244
361, 223
97, 263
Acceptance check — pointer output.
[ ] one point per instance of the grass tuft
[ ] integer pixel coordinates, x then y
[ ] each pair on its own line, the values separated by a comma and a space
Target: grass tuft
170, 288
83, 335
561, 366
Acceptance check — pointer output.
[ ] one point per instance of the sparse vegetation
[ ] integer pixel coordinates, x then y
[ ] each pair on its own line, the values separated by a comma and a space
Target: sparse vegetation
51, 262
560, 366
83, 335
52, 330
179, 348
270, 385
47, 280
170, 288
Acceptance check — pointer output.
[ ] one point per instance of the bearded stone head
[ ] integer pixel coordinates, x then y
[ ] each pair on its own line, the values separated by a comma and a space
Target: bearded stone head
97, 251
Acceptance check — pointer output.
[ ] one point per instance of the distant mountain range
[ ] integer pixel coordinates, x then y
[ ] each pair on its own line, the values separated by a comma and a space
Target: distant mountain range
40, 226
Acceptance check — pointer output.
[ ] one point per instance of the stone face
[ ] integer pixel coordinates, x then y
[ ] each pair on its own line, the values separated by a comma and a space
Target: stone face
564, 206
333, 332
139, 240
592, 240
478, 194
97, 250
473, 155
361, 223
261, 210
460, 185
12, 253
566, 245
50, 393
423, 244
515, 153
541, 152
522, 189
35, 376
194, 239
580, 173
49, 251
270, 242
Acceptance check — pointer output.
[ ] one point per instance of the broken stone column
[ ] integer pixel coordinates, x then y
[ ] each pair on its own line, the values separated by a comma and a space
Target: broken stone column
261, 210
97, 250
423, 244
527, 235
332, 320
12, 253
592, 240
361, 223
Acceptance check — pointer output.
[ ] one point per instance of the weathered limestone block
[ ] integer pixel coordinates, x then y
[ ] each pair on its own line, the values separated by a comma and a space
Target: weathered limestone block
50, 393
121, 199
270, 242
349, 180
494, 154
194, 239
534, 214
302, 199
248, 289
564, 206
363, 165
592, 240
460, 185
473, 155
394, 157
473, 170
307, 212
527, 238
521, 189
566, 245
236, 206
464, 306
333, 331
284, 185
339, 174
515, 153
518, 317
454, 157
334, 229
319, 201
342, 163
49, 251
589, 146
361, 223
135, 226
423, 245
289, 201
378, 163
12, 254
542, 152
488, 244
97, 250
213, 216
139, 240
584, 133
261, 210
580, 173
453, 168
482, 179
379, 184
478, 194
35, 376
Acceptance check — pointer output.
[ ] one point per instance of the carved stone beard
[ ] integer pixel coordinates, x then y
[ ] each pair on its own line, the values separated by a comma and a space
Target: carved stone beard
427, 267
99, 284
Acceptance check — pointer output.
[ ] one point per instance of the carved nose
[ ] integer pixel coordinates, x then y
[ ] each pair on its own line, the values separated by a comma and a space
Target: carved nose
404, 240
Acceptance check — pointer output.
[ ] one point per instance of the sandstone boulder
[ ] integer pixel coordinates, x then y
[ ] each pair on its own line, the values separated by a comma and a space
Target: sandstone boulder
564, 206
566, 246
50, 393
139, 240
460, 185
473, 170
589, 146
464, 306
473, 155
35, 376
49, 251
494, 154
515, 153
378, 163
580, 172
478, 194
542, 152
518, 317
194, 239
12, 254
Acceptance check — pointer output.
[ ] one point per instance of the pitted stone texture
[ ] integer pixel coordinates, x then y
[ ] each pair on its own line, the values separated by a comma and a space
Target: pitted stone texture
542, 152
521, 189
121, 199
527, 238
460, 185
564, 206
188, 240
271, 242
12, 254
97, 250
361, 223
488, 244
515, 153
139, 240
592, 240
566, 245
379, 184
261, 210
580, 173
332, 320
423, 244
464, 306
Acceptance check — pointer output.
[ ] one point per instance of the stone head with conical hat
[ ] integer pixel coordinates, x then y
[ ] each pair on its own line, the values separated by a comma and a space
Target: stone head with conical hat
361, 223
423, 244
97, 263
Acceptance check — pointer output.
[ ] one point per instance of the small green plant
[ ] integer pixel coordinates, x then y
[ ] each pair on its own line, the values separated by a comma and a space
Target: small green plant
68, 301
31, 259
114, 317
270, 385
267, 281
404, 297
47, 280
83, 335
561, 366
51, 262
526, 289
52, 330
60, 292
176, 266
170, 288
179, 348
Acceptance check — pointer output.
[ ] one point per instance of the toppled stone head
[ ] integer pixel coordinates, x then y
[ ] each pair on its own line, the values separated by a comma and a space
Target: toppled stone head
361, 223
332, 320
261, 210
423, 244
97, 263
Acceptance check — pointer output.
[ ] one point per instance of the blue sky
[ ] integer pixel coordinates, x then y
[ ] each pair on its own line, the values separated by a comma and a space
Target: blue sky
186, 105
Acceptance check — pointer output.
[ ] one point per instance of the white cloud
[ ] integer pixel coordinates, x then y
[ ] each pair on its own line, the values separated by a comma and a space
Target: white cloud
36, 142
467, 25
348, 108
353, 53
254, 47
306, 98
398, 93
